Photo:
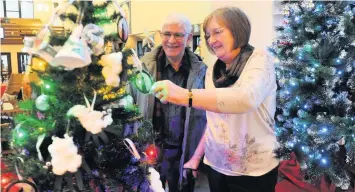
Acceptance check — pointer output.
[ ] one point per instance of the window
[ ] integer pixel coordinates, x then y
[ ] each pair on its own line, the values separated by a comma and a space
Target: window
1, 33
195, 42
22, 59
140, 51
5, 66
16, 8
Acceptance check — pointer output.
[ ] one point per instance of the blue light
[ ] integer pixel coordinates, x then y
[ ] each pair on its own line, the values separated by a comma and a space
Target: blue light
290, 144
324, 129
298, 98
330, 21
311, 156
324, 161
293, 83
305, 106
300, 56
298, 19
338, 61
340, 72
318, 28
319, 8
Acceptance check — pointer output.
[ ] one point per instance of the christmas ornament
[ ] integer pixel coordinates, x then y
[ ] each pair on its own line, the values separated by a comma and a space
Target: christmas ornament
94, 35
20, 134
75, 52
123, 30
64, 155
48, 86
93, 121
151, 152
147, 40
112, 67
154, 177
6, 179
98, 2
308, 4
154, 180
38, 64
143, 81
126, 102
42, 102
40, 47
47, 53
307, 48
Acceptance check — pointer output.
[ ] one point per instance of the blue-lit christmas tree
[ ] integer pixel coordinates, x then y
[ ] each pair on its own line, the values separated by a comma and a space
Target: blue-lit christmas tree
315, 51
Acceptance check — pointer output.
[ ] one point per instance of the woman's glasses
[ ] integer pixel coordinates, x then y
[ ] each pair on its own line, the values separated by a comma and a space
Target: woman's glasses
215, 33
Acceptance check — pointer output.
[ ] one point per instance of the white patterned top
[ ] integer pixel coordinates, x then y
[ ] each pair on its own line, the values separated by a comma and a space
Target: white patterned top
241, 140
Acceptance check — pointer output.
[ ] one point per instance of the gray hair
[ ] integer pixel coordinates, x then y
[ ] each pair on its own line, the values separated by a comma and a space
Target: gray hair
235, 20
179, 19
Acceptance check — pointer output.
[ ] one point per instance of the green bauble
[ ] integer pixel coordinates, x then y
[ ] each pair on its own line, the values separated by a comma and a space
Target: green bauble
42, 102
143, 82
308, 48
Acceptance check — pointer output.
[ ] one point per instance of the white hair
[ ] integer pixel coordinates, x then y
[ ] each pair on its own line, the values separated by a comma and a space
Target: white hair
179, 19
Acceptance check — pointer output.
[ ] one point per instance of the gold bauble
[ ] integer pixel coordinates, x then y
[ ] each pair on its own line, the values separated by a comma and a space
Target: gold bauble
38, 64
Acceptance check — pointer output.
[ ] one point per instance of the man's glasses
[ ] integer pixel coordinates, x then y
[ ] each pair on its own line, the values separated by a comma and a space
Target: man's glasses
177, 36
216, 33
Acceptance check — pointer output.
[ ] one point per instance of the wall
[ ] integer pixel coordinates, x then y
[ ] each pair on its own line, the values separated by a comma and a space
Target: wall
43, 9
149, 15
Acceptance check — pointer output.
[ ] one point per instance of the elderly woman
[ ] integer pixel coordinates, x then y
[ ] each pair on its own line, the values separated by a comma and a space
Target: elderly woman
240, 102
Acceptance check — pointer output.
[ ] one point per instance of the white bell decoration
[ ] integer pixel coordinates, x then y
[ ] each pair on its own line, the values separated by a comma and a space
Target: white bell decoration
75, 53
36, 46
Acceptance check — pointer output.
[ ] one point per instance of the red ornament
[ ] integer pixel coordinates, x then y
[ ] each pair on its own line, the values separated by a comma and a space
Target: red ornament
6, 179
152, 152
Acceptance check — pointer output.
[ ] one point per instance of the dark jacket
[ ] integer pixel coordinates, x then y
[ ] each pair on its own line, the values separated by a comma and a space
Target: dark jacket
195, 119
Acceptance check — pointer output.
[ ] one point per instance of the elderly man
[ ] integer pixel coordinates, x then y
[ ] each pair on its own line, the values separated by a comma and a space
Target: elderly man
179, 128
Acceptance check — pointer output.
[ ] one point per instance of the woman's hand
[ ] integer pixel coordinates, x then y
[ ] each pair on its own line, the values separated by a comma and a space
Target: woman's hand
166, 91
193, 164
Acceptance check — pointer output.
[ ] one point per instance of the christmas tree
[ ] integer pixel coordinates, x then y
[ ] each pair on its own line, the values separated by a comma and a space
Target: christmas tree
315, 51
72, 136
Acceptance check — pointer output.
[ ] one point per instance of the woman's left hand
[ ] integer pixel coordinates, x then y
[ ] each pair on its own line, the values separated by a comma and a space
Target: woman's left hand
166, 91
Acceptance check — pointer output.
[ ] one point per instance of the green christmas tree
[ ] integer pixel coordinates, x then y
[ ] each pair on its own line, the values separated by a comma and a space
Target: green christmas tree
315, 51
71, 137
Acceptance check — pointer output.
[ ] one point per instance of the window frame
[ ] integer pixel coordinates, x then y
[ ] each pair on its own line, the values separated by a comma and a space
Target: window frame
19, 66
9, 71
19, 8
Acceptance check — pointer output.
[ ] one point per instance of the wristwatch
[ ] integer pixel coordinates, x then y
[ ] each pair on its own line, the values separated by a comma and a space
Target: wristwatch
190, 95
